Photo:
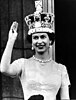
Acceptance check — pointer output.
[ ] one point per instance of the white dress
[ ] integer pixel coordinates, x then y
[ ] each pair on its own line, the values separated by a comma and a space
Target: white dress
41, 78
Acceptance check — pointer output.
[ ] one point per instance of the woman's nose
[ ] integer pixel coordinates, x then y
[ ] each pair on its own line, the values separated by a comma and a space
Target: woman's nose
39, 40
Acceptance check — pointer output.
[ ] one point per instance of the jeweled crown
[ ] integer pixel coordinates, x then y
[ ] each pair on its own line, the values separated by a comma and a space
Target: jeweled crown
40, 21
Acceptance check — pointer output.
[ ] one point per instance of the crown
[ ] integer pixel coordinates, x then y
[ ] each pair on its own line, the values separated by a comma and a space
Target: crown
39, 21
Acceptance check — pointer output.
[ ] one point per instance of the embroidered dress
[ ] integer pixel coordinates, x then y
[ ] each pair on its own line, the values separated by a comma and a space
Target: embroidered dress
41, 78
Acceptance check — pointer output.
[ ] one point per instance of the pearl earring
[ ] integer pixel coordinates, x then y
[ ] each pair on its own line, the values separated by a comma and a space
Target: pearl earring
32, 47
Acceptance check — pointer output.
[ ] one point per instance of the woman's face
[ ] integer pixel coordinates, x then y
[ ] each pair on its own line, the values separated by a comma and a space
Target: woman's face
40, 42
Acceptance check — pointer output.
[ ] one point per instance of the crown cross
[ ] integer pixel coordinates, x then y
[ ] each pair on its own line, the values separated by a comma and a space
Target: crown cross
38, 5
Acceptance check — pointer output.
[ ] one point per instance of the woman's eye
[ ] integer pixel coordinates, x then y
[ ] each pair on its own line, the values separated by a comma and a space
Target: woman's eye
43, 36
35, 37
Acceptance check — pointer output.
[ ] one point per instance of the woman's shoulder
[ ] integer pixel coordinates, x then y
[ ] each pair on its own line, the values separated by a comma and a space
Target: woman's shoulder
19, 61
60, 66
24, 60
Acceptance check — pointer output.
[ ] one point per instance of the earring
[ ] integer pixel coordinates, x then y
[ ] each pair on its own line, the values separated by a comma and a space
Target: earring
32, 47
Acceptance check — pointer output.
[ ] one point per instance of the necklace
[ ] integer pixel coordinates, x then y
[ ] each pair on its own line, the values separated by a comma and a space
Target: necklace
41, 61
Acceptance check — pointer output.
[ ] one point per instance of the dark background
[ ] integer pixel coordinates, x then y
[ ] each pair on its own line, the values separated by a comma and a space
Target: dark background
65, 45
65, 24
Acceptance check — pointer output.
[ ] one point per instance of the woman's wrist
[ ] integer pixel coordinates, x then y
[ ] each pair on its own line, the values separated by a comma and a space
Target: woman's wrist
10, 42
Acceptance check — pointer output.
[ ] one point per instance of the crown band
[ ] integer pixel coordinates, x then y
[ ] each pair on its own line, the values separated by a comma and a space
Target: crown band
37, 30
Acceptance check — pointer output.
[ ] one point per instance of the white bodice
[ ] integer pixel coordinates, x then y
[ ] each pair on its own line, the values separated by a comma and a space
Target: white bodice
41, 78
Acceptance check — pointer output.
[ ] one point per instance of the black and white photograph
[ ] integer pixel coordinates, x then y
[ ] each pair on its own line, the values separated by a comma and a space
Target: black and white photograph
38, 50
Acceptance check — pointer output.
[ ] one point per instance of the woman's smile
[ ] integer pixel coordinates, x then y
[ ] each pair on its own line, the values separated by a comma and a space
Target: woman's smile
40, 42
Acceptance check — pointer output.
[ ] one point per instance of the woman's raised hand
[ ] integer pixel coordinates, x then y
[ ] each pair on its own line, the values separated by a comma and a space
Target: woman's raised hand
13, 31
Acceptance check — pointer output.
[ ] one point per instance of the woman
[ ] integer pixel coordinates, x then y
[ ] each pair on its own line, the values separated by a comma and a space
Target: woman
40, 76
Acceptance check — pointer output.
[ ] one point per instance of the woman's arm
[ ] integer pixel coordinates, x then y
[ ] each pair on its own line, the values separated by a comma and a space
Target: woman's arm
64, 93
6, 57
65, 83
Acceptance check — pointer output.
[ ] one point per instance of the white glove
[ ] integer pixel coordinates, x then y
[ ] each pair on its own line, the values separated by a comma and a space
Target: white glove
13, 31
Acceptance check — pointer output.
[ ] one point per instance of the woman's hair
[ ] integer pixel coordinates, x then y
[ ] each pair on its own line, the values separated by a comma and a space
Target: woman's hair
51, 37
